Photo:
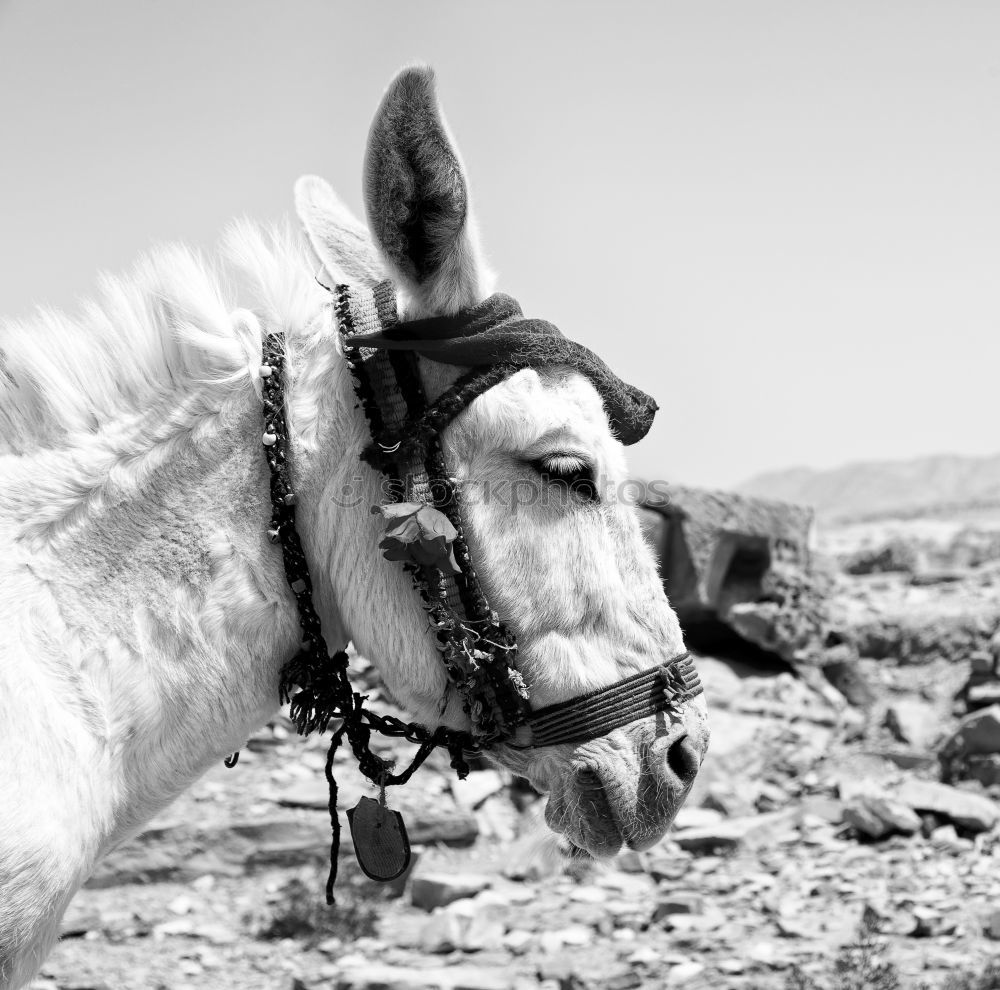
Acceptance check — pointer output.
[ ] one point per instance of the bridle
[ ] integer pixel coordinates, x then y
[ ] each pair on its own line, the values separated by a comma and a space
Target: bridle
477, 648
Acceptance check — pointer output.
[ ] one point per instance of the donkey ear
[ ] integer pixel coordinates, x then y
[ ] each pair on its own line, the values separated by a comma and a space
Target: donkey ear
341, 242
418, 201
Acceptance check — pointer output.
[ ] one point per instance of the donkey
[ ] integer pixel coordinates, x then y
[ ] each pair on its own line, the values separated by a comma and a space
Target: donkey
146, 616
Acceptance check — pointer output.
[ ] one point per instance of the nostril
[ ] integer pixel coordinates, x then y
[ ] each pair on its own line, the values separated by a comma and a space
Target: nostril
682, 758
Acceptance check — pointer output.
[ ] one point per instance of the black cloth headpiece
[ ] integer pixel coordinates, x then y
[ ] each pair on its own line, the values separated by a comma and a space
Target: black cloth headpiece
496, 334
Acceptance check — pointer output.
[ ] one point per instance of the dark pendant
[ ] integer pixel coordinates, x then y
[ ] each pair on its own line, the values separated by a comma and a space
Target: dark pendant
380, 841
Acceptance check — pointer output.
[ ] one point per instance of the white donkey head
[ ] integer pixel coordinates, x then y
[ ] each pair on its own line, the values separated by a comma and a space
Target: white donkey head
538, 468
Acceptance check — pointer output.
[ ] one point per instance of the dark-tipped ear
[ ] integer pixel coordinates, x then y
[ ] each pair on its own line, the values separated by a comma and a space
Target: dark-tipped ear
417, 200
340, 241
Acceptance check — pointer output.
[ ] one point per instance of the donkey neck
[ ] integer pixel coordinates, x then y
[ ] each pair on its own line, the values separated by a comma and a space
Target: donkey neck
167, 613
169, 616
380, 609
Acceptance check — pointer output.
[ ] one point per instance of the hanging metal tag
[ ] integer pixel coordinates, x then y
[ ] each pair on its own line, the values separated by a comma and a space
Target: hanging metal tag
380, 841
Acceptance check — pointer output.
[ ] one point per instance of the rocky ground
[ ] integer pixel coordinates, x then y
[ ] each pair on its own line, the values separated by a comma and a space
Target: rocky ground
819, 848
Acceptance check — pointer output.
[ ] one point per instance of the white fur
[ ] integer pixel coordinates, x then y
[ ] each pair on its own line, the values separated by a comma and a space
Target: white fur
146, 617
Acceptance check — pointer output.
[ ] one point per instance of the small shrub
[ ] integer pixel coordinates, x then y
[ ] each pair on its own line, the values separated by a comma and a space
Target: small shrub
972, 547
861, 965
987, 979
300, 912
798, 979
896, 555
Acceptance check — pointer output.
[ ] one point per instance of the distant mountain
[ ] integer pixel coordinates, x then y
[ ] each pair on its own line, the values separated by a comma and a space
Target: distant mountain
886, 488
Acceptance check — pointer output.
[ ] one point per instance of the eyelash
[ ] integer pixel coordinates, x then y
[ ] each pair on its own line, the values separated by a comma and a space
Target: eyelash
568, 470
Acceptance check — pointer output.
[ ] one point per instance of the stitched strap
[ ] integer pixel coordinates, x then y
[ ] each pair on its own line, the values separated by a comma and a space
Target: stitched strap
392, 394
478, 650
599, 712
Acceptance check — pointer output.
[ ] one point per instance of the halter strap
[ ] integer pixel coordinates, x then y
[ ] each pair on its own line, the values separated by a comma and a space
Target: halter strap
478, 649
600, 712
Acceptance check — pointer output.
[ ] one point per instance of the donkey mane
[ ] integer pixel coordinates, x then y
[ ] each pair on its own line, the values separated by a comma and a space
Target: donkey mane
172, 323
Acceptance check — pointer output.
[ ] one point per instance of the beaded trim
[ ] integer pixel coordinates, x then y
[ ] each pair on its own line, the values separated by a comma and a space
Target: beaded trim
478, 649
324, 691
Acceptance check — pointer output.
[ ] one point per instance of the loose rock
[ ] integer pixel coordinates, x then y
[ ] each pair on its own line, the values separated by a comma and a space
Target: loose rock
977, 733
688, 902
433, 890
876, 816
732, 832
913, 721
971, 811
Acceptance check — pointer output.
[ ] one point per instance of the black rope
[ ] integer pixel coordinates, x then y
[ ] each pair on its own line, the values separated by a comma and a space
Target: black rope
331, 781
478, 650
324, 690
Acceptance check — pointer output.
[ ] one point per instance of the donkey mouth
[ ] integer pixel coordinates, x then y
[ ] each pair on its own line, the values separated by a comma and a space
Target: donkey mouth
600, 837
594, 832
625, 790
598, 822
590, 831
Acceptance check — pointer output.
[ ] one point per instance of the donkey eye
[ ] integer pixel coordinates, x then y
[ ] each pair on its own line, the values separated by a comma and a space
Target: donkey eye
568, 471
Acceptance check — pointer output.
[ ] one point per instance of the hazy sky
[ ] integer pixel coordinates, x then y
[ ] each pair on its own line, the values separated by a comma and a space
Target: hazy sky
782, 219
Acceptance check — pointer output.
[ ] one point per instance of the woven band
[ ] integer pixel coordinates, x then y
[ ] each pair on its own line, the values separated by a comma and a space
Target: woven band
600, 712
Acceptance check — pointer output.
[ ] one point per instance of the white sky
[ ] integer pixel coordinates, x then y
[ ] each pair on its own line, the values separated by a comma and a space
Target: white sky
782, 219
